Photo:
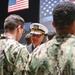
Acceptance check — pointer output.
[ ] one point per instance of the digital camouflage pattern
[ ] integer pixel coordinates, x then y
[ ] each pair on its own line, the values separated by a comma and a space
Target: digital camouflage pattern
13, 57
55, 57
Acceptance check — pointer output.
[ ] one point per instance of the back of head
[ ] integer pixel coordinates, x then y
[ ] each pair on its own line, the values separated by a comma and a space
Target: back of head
28, 38
12, 22
64, 14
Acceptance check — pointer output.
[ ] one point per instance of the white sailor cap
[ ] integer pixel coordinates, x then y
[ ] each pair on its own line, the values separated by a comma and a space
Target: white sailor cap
37, 28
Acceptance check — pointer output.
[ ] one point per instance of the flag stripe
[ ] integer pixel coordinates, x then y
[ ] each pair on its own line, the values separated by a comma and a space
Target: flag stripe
20, 4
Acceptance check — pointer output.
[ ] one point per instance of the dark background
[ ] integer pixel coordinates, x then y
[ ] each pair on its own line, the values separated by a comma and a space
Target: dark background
30, 15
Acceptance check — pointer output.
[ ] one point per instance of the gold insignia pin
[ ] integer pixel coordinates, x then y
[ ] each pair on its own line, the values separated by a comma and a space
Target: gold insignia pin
36, 27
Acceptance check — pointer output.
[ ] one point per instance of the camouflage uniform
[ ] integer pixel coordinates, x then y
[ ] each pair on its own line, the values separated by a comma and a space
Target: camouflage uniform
14, 56
55, 57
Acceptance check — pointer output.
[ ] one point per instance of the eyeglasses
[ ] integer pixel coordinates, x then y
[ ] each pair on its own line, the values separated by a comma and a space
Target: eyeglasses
36, 35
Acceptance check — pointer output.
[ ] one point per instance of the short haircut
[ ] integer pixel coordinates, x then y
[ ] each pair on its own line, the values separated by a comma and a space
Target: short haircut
28, 36
64, 14
13, 21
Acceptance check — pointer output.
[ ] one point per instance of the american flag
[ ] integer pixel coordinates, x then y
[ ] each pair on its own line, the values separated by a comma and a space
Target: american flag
15, 5
46, 8
72, 1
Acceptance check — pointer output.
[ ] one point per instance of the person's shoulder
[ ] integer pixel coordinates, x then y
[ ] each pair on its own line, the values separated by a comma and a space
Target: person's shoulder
29, 48
13, 45
29, 45
18, 47
46, 44
42, 48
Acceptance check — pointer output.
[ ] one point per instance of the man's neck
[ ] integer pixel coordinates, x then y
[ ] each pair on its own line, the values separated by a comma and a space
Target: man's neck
9, 35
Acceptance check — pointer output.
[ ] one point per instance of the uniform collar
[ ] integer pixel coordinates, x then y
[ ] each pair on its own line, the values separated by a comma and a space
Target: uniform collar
5, 36
64, 36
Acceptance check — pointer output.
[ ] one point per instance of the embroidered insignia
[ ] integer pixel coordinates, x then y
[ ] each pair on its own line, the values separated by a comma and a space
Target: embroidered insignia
36, 27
